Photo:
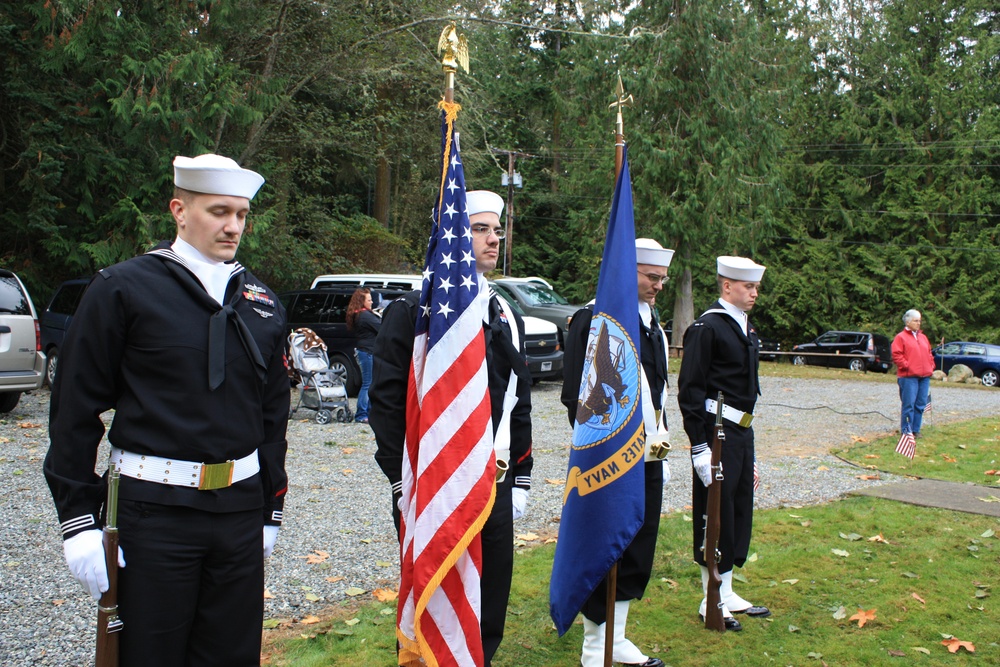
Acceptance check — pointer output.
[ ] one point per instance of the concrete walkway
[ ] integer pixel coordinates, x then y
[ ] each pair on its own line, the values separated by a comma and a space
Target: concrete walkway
957, 496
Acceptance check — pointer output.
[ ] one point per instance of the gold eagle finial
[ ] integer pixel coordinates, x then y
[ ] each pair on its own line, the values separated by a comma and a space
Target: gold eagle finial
455, 49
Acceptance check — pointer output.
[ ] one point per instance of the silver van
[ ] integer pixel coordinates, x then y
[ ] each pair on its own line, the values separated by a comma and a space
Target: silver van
22, 362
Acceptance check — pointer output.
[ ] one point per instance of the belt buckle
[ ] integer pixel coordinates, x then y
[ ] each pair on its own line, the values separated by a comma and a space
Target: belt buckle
746, 420
216, 475
658, 450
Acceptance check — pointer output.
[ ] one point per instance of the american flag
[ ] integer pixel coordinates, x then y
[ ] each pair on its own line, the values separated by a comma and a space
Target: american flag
449, 468
907, 445
756, 476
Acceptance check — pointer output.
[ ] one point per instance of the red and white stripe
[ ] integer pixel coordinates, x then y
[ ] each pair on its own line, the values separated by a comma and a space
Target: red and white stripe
907, 445
449, 472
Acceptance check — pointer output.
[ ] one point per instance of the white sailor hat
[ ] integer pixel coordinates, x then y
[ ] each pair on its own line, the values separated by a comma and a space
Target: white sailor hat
484, 201
648, 251
739, 268
215, 175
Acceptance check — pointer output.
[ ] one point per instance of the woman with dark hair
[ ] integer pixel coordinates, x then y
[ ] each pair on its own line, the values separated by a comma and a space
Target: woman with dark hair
364, 324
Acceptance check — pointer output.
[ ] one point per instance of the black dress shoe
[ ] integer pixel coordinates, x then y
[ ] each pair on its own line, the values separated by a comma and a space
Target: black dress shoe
652, 662
730, 623
756, 612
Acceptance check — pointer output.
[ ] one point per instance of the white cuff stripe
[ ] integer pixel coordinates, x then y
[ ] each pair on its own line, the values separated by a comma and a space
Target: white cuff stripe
397, 487
522, 480
77, 523
277, 515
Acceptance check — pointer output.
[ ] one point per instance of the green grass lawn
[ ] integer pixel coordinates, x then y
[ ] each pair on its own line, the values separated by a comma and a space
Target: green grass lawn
967, 451
927, 574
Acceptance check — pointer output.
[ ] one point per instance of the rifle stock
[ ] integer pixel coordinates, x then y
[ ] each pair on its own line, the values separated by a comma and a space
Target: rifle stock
713, 612
108, 622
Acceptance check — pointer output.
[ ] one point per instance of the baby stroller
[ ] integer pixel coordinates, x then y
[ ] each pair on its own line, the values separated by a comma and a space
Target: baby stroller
320, 387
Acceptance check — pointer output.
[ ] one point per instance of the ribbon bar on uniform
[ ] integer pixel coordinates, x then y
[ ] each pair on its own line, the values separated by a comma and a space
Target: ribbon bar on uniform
730, 413
202, 476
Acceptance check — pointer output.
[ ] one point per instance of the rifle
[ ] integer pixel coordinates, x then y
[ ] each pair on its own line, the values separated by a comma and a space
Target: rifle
108, 621
713, 611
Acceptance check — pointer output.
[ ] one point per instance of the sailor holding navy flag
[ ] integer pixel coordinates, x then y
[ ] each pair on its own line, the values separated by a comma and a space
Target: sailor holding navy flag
721, 354
614, 382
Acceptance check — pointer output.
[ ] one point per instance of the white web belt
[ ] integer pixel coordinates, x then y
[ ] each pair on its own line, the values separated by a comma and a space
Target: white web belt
202, 476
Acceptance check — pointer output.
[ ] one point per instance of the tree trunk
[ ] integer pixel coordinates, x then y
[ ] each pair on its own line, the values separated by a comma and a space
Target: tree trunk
381, 207
683, 303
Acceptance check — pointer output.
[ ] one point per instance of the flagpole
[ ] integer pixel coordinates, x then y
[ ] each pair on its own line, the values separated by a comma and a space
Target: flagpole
621, 100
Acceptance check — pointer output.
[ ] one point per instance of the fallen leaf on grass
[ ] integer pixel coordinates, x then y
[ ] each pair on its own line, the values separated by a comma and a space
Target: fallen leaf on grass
910, 575
988, 533
921, 649
948, 459
822, 468
354, 591
991, 499
793, 628
669, 582
28, 425
790, 582
555, 482
316, 557
312, 597
384, 594
868, 477
917, 598
387, 611
954, 644
872, 456
352, 621
309, 620
863, 617
878, 538
896, 654
334, 580
268, 595
347, 450
840, 552
271, 623
992, 472
840, 614
527, 536
852, 537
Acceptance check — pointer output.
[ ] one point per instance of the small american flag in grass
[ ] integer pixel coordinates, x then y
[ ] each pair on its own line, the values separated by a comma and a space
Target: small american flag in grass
907, 445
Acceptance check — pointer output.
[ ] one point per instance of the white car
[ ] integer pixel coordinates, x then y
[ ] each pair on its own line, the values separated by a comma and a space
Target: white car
22, 362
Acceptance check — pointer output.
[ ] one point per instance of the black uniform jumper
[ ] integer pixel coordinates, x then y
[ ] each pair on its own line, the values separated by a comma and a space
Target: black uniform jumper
718, 357
390, 372
147, 341
636, 562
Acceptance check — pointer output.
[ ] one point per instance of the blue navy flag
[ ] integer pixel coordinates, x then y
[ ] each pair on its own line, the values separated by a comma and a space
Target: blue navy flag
604, 495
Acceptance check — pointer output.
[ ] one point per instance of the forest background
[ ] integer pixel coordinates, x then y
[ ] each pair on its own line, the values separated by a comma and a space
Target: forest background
851, 146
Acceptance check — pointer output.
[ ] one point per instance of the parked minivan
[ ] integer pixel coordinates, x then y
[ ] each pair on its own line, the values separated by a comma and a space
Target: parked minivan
22, 362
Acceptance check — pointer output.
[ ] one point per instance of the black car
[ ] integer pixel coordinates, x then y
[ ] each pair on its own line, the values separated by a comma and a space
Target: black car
56, 319
325, 312
857, 350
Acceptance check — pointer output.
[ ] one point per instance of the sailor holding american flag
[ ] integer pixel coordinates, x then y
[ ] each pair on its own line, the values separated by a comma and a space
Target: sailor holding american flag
504, 411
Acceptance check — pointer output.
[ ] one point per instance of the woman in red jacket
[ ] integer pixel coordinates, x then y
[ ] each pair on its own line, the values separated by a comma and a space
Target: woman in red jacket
911, 352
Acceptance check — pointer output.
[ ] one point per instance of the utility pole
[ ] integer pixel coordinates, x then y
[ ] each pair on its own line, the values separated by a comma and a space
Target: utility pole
511, 179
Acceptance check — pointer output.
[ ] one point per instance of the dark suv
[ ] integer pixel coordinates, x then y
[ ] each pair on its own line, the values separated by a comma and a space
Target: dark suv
857, 350
325, 312
56, 320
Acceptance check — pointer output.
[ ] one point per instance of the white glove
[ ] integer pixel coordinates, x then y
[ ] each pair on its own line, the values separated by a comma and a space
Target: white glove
85, 556
666, 472
702, 463
519, 498
270, 537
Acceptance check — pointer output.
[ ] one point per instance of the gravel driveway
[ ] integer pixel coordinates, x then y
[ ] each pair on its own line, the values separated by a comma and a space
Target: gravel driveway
338, 500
